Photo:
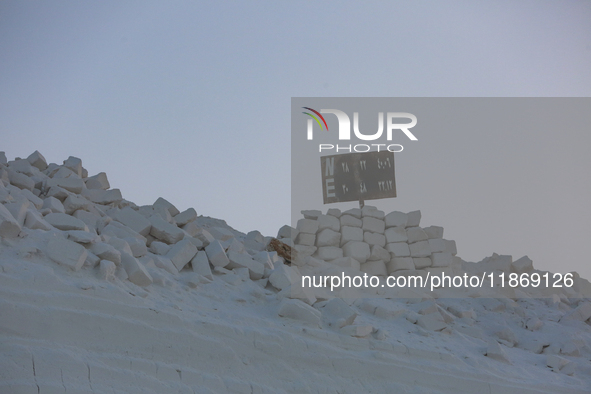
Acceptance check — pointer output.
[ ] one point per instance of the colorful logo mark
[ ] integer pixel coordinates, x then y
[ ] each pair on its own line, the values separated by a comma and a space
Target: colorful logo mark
315, 118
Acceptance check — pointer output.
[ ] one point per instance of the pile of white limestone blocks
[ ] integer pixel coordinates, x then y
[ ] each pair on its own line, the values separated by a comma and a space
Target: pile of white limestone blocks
369, 241
90, 225
86, 224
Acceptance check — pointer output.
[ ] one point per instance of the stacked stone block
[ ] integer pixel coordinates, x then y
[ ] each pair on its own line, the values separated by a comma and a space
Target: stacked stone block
382, 244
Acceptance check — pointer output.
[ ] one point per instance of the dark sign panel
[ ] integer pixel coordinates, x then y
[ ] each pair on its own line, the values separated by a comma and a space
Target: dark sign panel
358, 176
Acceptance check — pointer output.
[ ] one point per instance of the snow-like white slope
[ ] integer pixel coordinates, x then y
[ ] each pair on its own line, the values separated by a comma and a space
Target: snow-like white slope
65, 332
84, 330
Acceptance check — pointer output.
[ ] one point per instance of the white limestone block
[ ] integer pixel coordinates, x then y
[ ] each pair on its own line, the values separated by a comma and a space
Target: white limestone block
132, 219
181, 253
379, 253
306, 239
334, 212
221, 234
450, 246
64, 172
216, 254
420, 249
34, 220
138, 247
67, 253
136, 272
19, 209
303, 252
374, 238
120, 244
191, 228
328, 221
185, 217
103, 197
347, 262
374, 268
3, 158
161, 202
165, 231
369, 211
283, 277
265, 258
33, 199
22, 166
74, 202
312, 214
159, 248
200, 264
20, 180
338, 314
328, 237
434, 232
396, 219
65, 222
92, 260
522, 265
350, 233
74, 164
243, 260
355, 212
413, 219
298, 310
437, 245
287, 232
441, 259
98, 181
400, 263
374, 225
422, 262
82, 237
307, 226
415, 234
107, 269
396, 234
165, 263
92, 220
9, 227
360, 251
57, 192
398, 249
74, 185
351, 221
328, 253
106, 252
204, 236
119, 230
37, 160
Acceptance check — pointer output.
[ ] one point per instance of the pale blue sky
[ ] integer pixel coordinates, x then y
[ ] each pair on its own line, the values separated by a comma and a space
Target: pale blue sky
191, 100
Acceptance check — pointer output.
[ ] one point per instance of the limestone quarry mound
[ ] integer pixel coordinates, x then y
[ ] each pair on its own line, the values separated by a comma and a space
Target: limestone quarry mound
99, 295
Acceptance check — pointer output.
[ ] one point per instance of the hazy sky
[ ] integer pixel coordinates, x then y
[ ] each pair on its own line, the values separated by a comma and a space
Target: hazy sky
191, 101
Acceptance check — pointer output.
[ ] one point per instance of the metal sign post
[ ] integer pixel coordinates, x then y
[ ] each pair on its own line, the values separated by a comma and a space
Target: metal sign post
358, 177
